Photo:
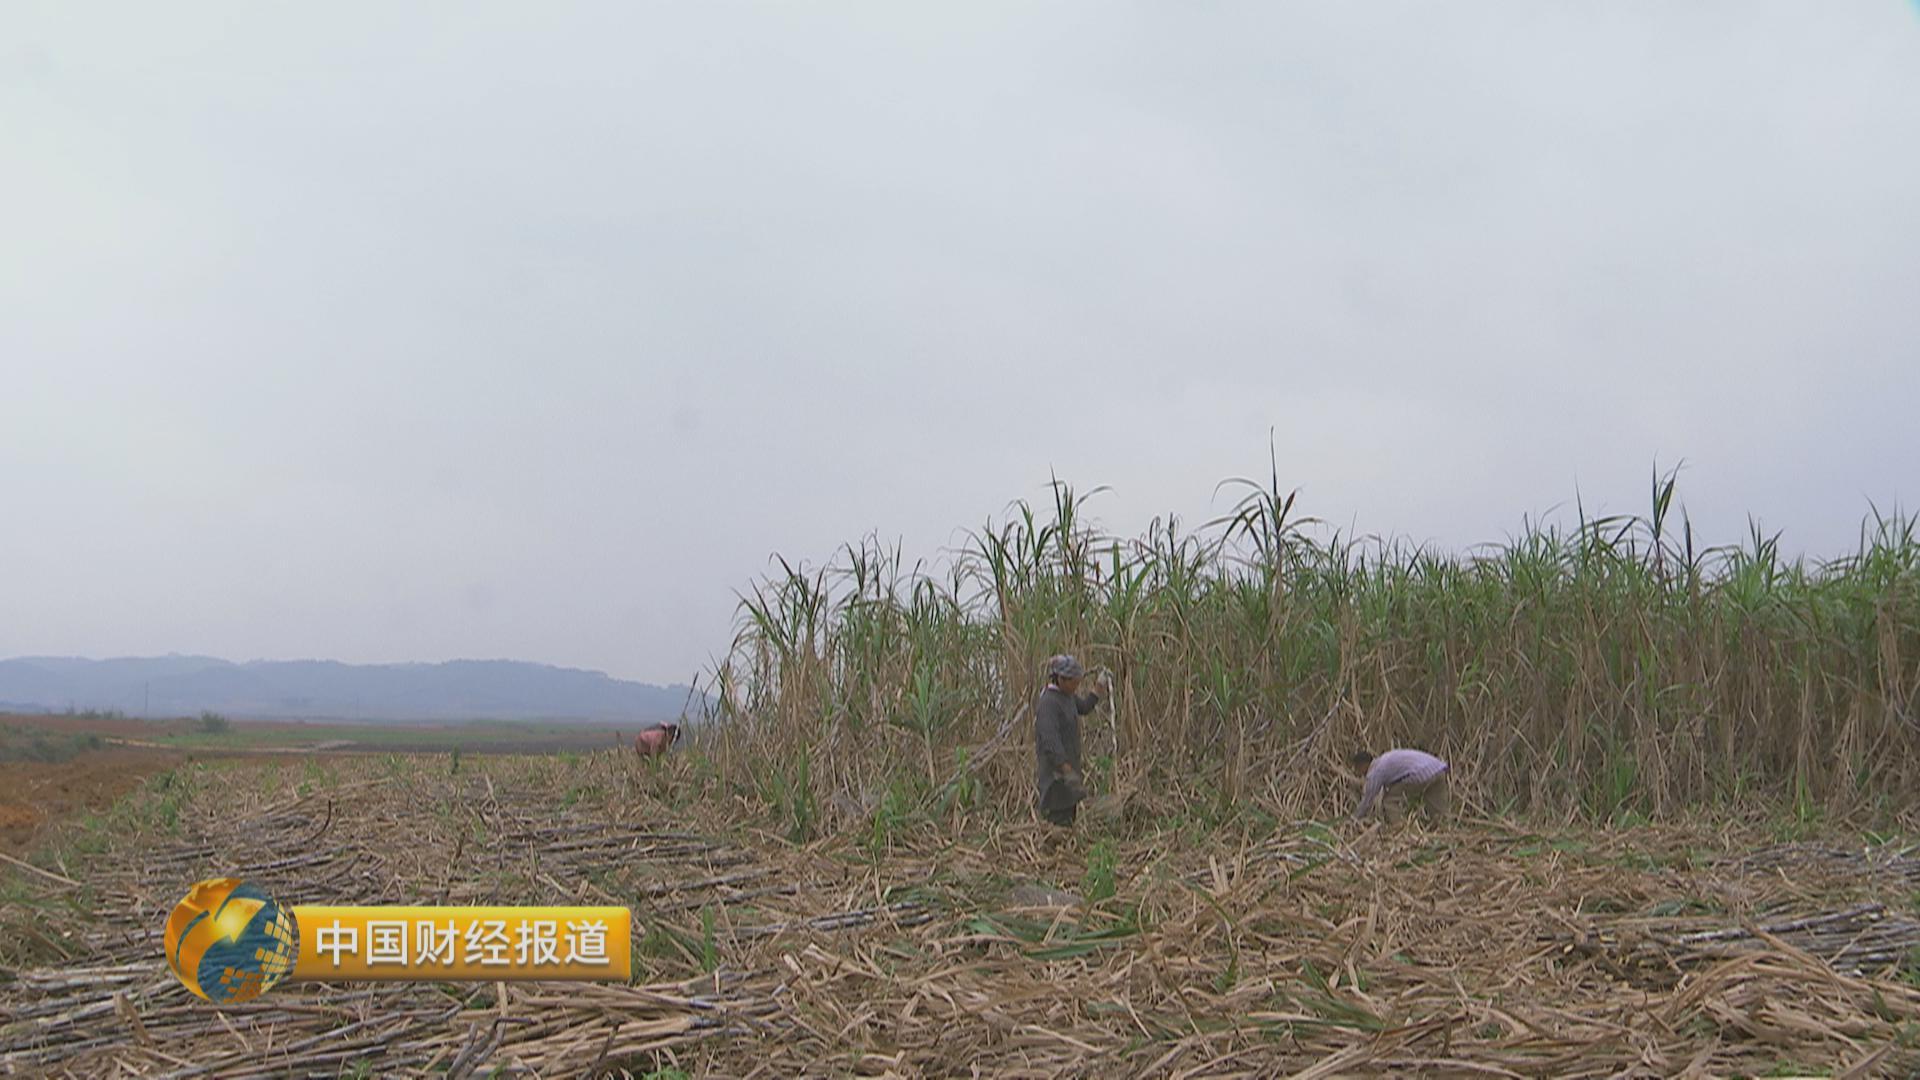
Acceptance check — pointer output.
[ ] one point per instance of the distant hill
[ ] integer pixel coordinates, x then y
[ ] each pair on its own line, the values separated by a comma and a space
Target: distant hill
323, 689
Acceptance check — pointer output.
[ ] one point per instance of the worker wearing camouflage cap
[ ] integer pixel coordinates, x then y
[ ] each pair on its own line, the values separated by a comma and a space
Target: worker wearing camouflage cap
1056, 740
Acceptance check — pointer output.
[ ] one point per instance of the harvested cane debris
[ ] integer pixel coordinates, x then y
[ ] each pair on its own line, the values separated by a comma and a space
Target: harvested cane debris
950, 946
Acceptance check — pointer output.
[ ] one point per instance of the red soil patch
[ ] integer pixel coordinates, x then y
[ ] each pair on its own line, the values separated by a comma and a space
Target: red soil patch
105, 726
35, 793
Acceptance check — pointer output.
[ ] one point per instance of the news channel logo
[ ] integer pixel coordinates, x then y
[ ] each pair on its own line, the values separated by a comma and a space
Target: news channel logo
229, 942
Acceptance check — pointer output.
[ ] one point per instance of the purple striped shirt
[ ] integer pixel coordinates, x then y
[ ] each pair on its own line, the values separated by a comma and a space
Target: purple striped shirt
1397, 767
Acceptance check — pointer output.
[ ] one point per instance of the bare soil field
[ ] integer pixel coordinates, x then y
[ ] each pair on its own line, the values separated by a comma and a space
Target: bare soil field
966, 946
102, 724
34, 793
242, 736
88, 776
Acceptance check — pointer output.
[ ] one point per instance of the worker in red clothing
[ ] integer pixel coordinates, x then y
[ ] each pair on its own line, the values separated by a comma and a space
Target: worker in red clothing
655, 740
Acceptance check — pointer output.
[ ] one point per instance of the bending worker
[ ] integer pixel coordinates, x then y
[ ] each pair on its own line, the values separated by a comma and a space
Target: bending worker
1415, 774
1056, 740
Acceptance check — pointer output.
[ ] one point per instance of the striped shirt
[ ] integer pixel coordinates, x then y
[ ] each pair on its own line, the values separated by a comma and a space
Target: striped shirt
1396, 767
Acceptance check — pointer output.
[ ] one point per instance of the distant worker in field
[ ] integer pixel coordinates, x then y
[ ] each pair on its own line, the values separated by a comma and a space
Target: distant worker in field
1413, 774
654, 741
1056, 740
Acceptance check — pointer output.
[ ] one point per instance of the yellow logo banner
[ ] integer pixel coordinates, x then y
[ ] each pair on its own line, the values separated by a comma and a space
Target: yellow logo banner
470, 943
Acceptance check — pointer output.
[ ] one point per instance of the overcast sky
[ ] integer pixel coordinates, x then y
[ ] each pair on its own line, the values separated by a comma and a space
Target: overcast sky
387, 332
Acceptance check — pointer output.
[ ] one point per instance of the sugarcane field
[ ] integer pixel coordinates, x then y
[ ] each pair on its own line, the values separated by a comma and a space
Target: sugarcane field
1099, 540
1664, 855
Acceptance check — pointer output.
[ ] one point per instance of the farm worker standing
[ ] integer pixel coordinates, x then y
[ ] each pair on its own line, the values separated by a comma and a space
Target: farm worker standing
1056, 740
1416, 774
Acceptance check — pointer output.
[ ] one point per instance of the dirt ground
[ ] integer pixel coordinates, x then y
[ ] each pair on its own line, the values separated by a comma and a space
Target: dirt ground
119, 727
36, 793
288, 736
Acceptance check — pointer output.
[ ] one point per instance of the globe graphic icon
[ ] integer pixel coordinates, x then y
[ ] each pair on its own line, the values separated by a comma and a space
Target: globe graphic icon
228, 942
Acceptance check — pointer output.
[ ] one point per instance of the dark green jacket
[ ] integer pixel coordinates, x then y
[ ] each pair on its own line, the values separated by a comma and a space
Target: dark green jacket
1056, 741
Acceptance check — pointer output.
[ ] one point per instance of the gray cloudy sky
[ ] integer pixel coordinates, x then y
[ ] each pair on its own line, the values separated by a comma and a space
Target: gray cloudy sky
410, 332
